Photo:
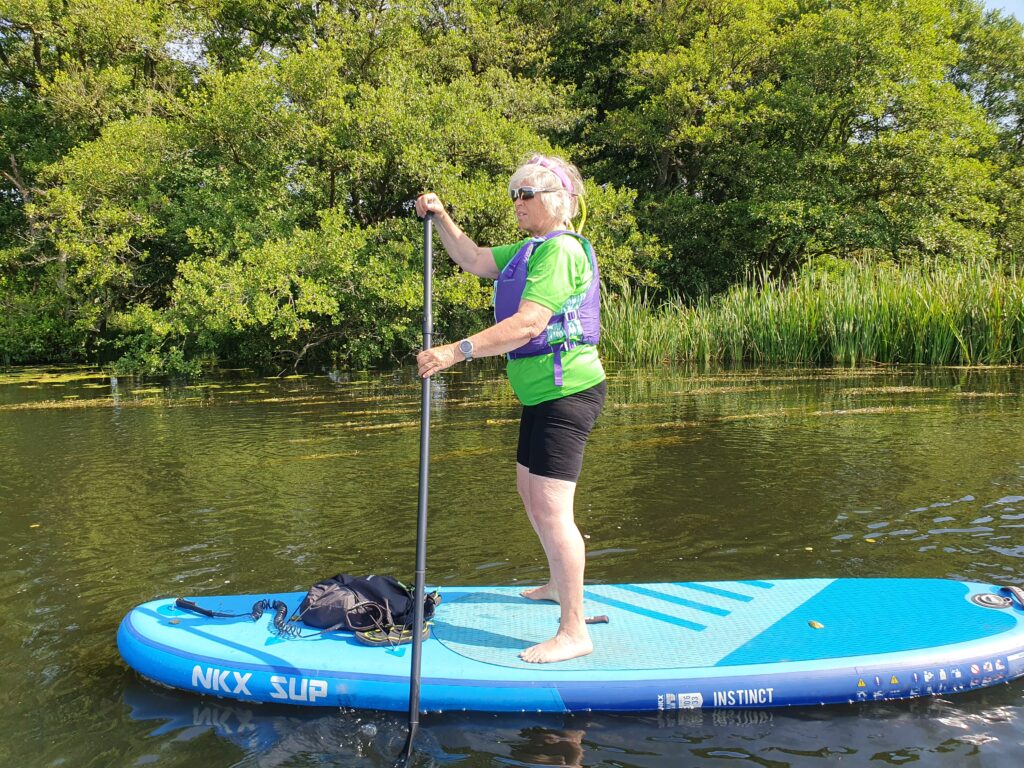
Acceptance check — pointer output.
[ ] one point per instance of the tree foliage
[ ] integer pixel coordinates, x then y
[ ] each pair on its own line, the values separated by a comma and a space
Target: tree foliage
232, 179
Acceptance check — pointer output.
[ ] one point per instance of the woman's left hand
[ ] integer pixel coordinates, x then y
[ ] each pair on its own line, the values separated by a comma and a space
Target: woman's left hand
436, 359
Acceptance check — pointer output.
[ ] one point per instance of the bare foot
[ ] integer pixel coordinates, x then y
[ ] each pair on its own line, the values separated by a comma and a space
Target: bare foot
561, 647
546, 592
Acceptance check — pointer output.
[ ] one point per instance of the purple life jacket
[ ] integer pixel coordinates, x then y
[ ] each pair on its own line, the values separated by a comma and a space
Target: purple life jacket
508, 293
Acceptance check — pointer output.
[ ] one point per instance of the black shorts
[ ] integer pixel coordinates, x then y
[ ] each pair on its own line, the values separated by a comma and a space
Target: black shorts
553, 434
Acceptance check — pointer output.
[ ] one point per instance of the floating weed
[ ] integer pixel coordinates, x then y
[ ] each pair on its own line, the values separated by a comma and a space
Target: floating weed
753, 416
323, 456
888, 390
46, 405
971, 395
657, 442
874, 410
50, 376
722, 390
393, 425
306, 400
471, 402
500, 422
375, 399
363, 426
382, 412
466, 452
847, 373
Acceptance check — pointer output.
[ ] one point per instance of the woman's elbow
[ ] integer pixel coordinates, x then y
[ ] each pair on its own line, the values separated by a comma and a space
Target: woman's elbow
533, 324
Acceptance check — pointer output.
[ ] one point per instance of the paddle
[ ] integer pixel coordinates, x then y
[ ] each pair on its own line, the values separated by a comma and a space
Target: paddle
421, 515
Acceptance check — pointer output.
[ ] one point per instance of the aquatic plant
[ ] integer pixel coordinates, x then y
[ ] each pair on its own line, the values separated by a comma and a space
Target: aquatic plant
831, 312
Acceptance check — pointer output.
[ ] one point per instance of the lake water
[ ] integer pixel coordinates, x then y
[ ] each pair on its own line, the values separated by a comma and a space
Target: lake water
116, 492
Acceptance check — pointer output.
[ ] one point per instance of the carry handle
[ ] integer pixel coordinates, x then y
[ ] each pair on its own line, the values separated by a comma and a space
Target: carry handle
188, 605
1014, 593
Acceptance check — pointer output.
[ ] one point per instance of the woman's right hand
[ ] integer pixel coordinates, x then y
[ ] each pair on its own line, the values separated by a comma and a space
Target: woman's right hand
428, 202
463, 251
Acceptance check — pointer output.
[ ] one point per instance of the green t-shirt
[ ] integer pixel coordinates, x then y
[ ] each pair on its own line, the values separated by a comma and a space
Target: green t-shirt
557, 277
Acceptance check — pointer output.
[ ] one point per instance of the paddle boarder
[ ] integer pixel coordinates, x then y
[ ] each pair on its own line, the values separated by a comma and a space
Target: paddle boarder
547, 306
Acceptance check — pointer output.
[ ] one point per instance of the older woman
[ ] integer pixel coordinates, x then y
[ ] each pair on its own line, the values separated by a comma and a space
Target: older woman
547, 305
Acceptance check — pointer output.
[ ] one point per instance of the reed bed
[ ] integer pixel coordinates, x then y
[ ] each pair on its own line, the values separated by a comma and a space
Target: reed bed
853, 314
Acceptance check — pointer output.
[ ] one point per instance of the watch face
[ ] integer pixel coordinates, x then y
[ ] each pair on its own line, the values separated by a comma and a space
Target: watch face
466, 347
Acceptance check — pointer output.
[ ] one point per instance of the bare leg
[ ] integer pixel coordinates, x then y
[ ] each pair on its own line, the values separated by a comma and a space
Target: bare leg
551, 512
547, 591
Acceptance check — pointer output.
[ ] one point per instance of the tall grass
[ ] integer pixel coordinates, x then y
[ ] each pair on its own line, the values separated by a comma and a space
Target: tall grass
851, 314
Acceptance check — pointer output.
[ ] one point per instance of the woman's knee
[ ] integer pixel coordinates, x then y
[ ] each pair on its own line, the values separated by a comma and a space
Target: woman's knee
550, 497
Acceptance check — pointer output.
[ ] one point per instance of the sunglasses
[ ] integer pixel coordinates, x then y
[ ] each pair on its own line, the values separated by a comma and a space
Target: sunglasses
527, 193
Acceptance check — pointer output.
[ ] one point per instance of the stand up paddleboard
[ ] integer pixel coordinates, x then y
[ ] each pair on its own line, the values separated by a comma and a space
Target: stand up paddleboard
665, 646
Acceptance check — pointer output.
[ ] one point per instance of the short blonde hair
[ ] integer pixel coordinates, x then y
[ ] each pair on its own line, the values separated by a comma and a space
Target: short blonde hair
550, 172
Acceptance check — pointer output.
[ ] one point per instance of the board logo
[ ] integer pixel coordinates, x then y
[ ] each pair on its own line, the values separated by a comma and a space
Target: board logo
744, 697
285, 687
221, 680
298, 688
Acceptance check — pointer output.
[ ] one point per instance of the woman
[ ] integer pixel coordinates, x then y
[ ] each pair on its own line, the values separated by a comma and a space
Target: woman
547, 304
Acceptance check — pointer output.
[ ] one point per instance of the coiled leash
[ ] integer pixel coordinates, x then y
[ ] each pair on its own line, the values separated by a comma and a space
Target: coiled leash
258, 609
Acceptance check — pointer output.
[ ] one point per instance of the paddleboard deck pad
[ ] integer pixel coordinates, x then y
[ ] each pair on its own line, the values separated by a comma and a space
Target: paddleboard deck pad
667, 646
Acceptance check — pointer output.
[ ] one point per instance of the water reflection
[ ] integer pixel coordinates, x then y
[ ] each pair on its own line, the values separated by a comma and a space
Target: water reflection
266, 735
548, 746
933, 731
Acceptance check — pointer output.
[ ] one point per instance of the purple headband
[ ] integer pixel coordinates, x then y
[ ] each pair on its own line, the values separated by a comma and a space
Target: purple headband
538, 160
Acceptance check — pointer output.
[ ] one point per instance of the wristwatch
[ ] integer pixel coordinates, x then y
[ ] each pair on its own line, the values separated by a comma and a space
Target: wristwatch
466, 348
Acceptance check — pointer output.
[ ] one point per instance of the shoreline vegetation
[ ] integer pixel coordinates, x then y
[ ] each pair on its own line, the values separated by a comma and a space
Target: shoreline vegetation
832, 313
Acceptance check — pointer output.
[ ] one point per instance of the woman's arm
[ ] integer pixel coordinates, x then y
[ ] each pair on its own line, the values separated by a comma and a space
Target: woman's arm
511, 333
463, 251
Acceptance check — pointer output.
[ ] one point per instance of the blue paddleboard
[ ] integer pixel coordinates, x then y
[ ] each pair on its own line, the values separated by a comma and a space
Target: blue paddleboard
666, 646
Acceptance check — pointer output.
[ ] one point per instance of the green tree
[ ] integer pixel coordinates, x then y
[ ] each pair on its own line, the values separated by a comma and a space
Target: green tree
759, 134
235, 179
991, 72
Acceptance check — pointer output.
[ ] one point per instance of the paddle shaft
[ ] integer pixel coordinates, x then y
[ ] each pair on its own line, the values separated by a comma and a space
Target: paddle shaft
421, 515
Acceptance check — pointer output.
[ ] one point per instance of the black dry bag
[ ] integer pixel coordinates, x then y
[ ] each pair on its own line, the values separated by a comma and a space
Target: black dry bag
361, 603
